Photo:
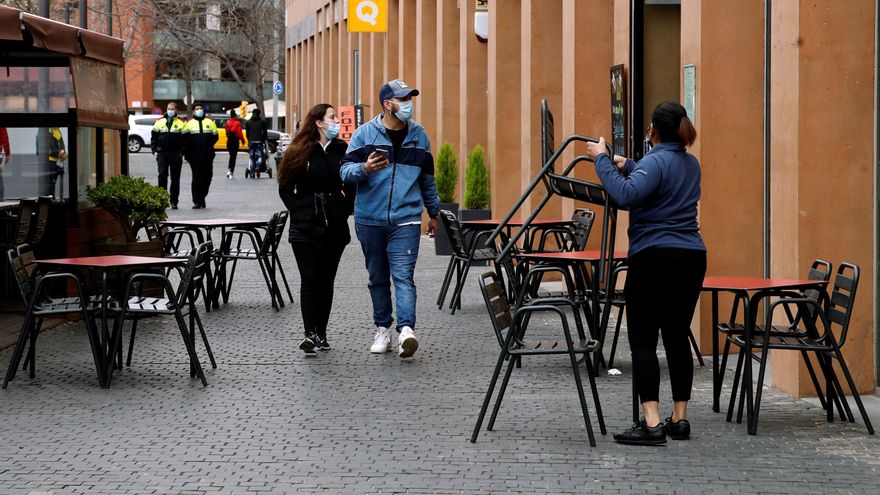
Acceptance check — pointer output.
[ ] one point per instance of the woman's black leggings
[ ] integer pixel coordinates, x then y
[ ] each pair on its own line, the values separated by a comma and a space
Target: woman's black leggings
317, 263
662, 288
233, 151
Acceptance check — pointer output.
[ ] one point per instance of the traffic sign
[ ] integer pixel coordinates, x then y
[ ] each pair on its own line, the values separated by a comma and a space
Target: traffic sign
278, 87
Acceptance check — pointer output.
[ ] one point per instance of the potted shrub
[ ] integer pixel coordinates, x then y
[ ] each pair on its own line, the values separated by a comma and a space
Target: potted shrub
447, 181
133, 203
476, 188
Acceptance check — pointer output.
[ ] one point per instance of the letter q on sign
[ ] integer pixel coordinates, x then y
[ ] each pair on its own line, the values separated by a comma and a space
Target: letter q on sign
367, 16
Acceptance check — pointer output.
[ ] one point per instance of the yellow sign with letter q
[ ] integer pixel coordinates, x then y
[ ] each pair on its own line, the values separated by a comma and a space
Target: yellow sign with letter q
367, 16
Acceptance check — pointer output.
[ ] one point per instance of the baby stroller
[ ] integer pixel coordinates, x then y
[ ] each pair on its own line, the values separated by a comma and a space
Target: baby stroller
257, 162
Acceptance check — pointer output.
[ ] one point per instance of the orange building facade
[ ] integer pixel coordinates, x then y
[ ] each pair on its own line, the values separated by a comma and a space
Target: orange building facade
783, 95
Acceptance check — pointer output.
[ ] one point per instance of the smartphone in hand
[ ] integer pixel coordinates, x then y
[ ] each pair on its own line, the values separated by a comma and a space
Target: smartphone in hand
383, 154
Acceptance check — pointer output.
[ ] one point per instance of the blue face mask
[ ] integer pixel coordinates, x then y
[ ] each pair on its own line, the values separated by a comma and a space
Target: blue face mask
199, 113
332, 130
172, 113
405, 111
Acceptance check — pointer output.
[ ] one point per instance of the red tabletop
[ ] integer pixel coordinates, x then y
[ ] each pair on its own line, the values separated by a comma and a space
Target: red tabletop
515, 222
588, 255
116, 260
216, 222
749, 283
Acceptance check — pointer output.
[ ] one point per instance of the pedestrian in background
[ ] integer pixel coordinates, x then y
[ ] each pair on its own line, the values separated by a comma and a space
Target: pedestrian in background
200, 136
234, 137
6, 159
53, 163
257, 135
667, 263
166, 142
311, 188
389, 159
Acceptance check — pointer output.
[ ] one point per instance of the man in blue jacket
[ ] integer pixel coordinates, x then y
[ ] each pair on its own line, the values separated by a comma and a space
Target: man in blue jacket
389, 159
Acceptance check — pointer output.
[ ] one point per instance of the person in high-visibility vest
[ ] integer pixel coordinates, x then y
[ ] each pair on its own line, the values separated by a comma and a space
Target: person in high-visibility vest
166, 142
200, 134
54, 159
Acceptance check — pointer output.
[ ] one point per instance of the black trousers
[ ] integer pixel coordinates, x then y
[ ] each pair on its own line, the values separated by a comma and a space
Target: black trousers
662, 288
233, 152
170, 164
202, 173
317, 263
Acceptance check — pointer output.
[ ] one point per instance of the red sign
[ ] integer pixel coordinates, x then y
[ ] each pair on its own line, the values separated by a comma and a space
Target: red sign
346, 123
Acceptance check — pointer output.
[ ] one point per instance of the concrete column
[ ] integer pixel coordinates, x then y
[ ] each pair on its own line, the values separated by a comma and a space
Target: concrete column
503, 72
447, 76
392, 41
821, 162
344, 68
473, 88
378, 65
331, 71
586, 96
426, 72
541, 45
366, 81
320, 62
406, 52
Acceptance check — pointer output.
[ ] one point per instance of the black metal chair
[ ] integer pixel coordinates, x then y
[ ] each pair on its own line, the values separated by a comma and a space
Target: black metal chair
464, 254
821, 328
176, 303
36, 291
40, 220
263, 249
509, 330
819, 270
572, 238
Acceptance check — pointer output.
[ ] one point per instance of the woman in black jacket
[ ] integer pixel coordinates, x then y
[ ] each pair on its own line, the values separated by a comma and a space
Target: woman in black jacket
310, 186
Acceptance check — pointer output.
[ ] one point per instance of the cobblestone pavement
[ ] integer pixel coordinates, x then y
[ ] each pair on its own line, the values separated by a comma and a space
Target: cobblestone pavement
345, 421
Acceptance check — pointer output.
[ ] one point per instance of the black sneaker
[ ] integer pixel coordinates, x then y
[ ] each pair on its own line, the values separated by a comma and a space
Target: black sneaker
322, 343
173, 206
679, 430
196, 206
308, 344
640, 434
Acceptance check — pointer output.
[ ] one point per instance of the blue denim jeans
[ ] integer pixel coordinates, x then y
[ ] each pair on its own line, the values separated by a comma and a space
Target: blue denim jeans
257, 156
390, 254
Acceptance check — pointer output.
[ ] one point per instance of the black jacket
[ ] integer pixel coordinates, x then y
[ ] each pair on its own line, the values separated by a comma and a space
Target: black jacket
319, 204
257, 130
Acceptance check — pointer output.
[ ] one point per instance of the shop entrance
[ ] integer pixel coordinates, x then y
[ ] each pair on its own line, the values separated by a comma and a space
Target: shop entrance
656, 33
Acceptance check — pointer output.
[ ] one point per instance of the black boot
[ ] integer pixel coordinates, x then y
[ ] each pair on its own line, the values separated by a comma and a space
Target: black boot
322, 340
640, 434
309, 343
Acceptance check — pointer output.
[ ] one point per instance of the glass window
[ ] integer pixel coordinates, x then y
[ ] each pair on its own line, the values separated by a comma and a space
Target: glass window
148, 122
36, 89
37, 163
112, 153
85, 163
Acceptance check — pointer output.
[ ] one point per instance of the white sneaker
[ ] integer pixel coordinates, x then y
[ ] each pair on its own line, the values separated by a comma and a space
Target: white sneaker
228, 175
406, 343
382, 341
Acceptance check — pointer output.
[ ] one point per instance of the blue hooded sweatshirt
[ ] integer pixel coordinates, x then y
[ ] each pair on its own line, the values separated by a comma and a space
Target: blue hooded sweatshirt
661, 191
394, 195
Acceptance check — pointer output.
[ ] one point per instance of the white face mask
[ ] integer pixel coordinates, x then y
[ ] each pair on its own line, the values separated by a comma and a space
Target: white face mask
199, 113
405, 111
172, 113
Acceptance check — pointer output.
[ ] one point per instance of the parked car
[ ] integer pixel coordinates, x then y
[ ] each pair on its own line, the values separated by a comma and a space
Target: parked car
140, 128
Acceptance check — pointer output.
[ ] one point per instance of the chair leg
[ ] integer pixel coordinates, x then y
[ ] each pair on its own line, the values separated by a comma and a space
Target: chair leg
19, 348
854, 390
814, 379
131, 337
616, 336
459, 287
734, 389
269, 262
696, 348
458, 269
592, 378
501, 391
265, 270
759, 387
635, 400
32, 347
723, 367
194, 316
447, 278
486, 400
190, 348
283, 276
580, 390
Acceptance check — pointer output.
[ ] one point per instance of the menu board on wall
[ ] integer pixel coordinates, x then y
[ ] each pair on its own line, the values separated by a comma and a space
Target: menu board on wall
619, 129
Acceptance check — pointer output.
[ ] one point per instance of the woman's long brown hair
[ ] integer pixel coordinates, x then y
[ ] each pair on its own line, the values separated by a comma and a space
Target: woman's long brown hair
296, 158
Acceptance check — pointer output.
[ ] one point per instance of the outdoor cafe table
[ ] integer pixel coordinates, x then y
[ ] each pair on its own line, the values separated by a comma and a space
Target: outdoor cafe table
759, 288
105, 265
203, 229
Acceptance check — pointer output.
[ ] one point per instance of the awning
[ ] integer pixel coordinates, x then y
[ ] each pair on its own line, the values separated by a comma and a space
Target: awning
10, 24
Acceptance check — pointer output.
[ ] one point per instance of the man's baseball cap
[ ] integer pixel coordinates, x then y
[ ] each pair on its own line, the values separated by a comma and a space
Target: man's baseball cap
396, 89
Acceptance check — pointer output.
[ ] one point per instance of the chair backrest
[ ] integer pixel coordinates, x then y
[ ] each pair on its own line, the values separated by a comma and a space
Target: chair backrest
274, 231
496, 304
819, 270
26, 208
843, 296
22, 278
583, 224
453, 231
193, 278
155, 232
44, 203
